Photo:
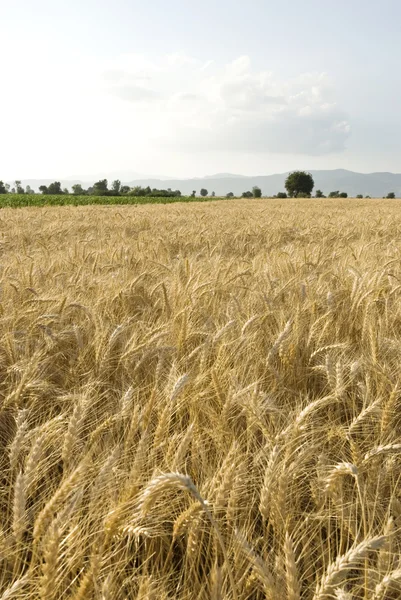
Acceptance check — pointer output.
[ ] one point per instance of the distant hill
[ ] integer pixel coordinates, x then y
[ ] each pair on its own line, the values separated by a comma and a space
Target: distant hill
372, 184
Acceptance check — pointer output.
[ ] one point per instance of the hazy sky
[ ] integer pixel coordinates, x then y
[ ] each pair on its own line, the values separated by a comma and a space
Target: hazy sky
184, 88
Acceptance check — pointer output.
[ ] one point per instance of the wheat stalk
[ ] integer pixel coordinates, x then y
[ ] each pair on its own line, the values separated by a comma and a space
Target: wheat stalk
338, 569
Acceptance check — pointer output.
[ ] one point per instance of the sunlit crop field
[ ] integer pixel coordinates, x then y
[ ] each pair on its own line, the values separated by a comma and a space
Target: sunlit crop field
201, 401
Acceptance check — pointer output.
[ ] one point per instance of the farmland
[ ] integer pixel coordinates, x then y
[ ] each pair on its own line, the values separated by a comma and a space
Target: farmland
201, 401
22, 200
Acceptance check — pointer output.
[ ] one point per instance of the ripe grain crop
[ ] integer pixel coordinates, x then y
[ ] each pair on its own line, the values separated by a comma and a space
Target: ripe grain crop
201, 401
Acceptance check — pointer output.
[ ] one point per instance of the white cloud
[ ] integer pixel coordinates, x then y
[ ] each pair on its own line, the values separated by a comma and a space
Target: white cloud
201, 106
173, 114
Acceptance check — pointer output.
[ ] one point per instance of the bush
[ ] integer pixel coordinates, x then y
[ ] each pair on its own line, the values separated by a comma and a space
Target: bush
281, 195
338, 194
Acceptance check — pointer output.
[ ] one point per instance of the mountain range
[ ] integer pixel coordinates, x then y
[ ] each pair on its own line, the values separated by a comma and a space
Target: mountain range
372, 184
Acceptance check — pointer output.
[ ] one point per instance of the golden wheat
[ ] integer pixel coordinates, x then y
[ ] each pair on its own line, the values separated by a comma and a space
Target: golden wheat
201, 401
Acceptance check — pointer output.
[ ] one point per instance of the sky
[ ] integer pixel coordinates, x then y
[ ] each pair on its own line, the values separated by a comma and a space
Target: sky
186, 89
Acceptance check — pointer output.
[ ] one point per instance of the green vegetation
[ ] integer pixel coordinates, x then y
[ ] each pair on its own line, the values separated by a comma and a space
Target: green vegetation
19, 200
338, 194
100, 188
299, 184
256, 193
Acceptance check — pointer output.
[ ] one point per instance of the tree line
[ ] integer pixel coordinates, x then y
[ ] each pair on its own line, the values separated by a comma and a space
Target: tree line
299, 184
100, 188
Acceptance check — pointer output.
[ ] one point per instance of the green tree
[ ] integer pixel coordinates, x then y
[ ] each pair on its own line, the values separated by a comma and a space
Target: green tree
100, 188
256, 191
299, 182
247, 195
29, 190
335, 194
44, 189
18, 187
281, 195
78, 190
391, 195
7, 186
193, 194
2, 188
343, 195
230, 195
137, 191
213, 195
125, 189
116, 187
359, 196
319, 194
55, 188
203, 192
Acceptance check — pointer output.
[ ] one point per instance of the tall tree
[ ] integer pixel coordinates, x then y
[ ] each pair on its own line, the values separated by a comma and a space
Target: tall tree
203, 192
18, 187
257, 192
78, 190
2, 188
55, 188
299, 183
116, 187
100, 188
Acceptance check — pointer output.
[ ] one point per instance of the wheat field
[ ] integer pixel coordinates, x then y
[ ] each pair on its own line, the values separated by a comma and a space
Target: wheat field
201, 401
